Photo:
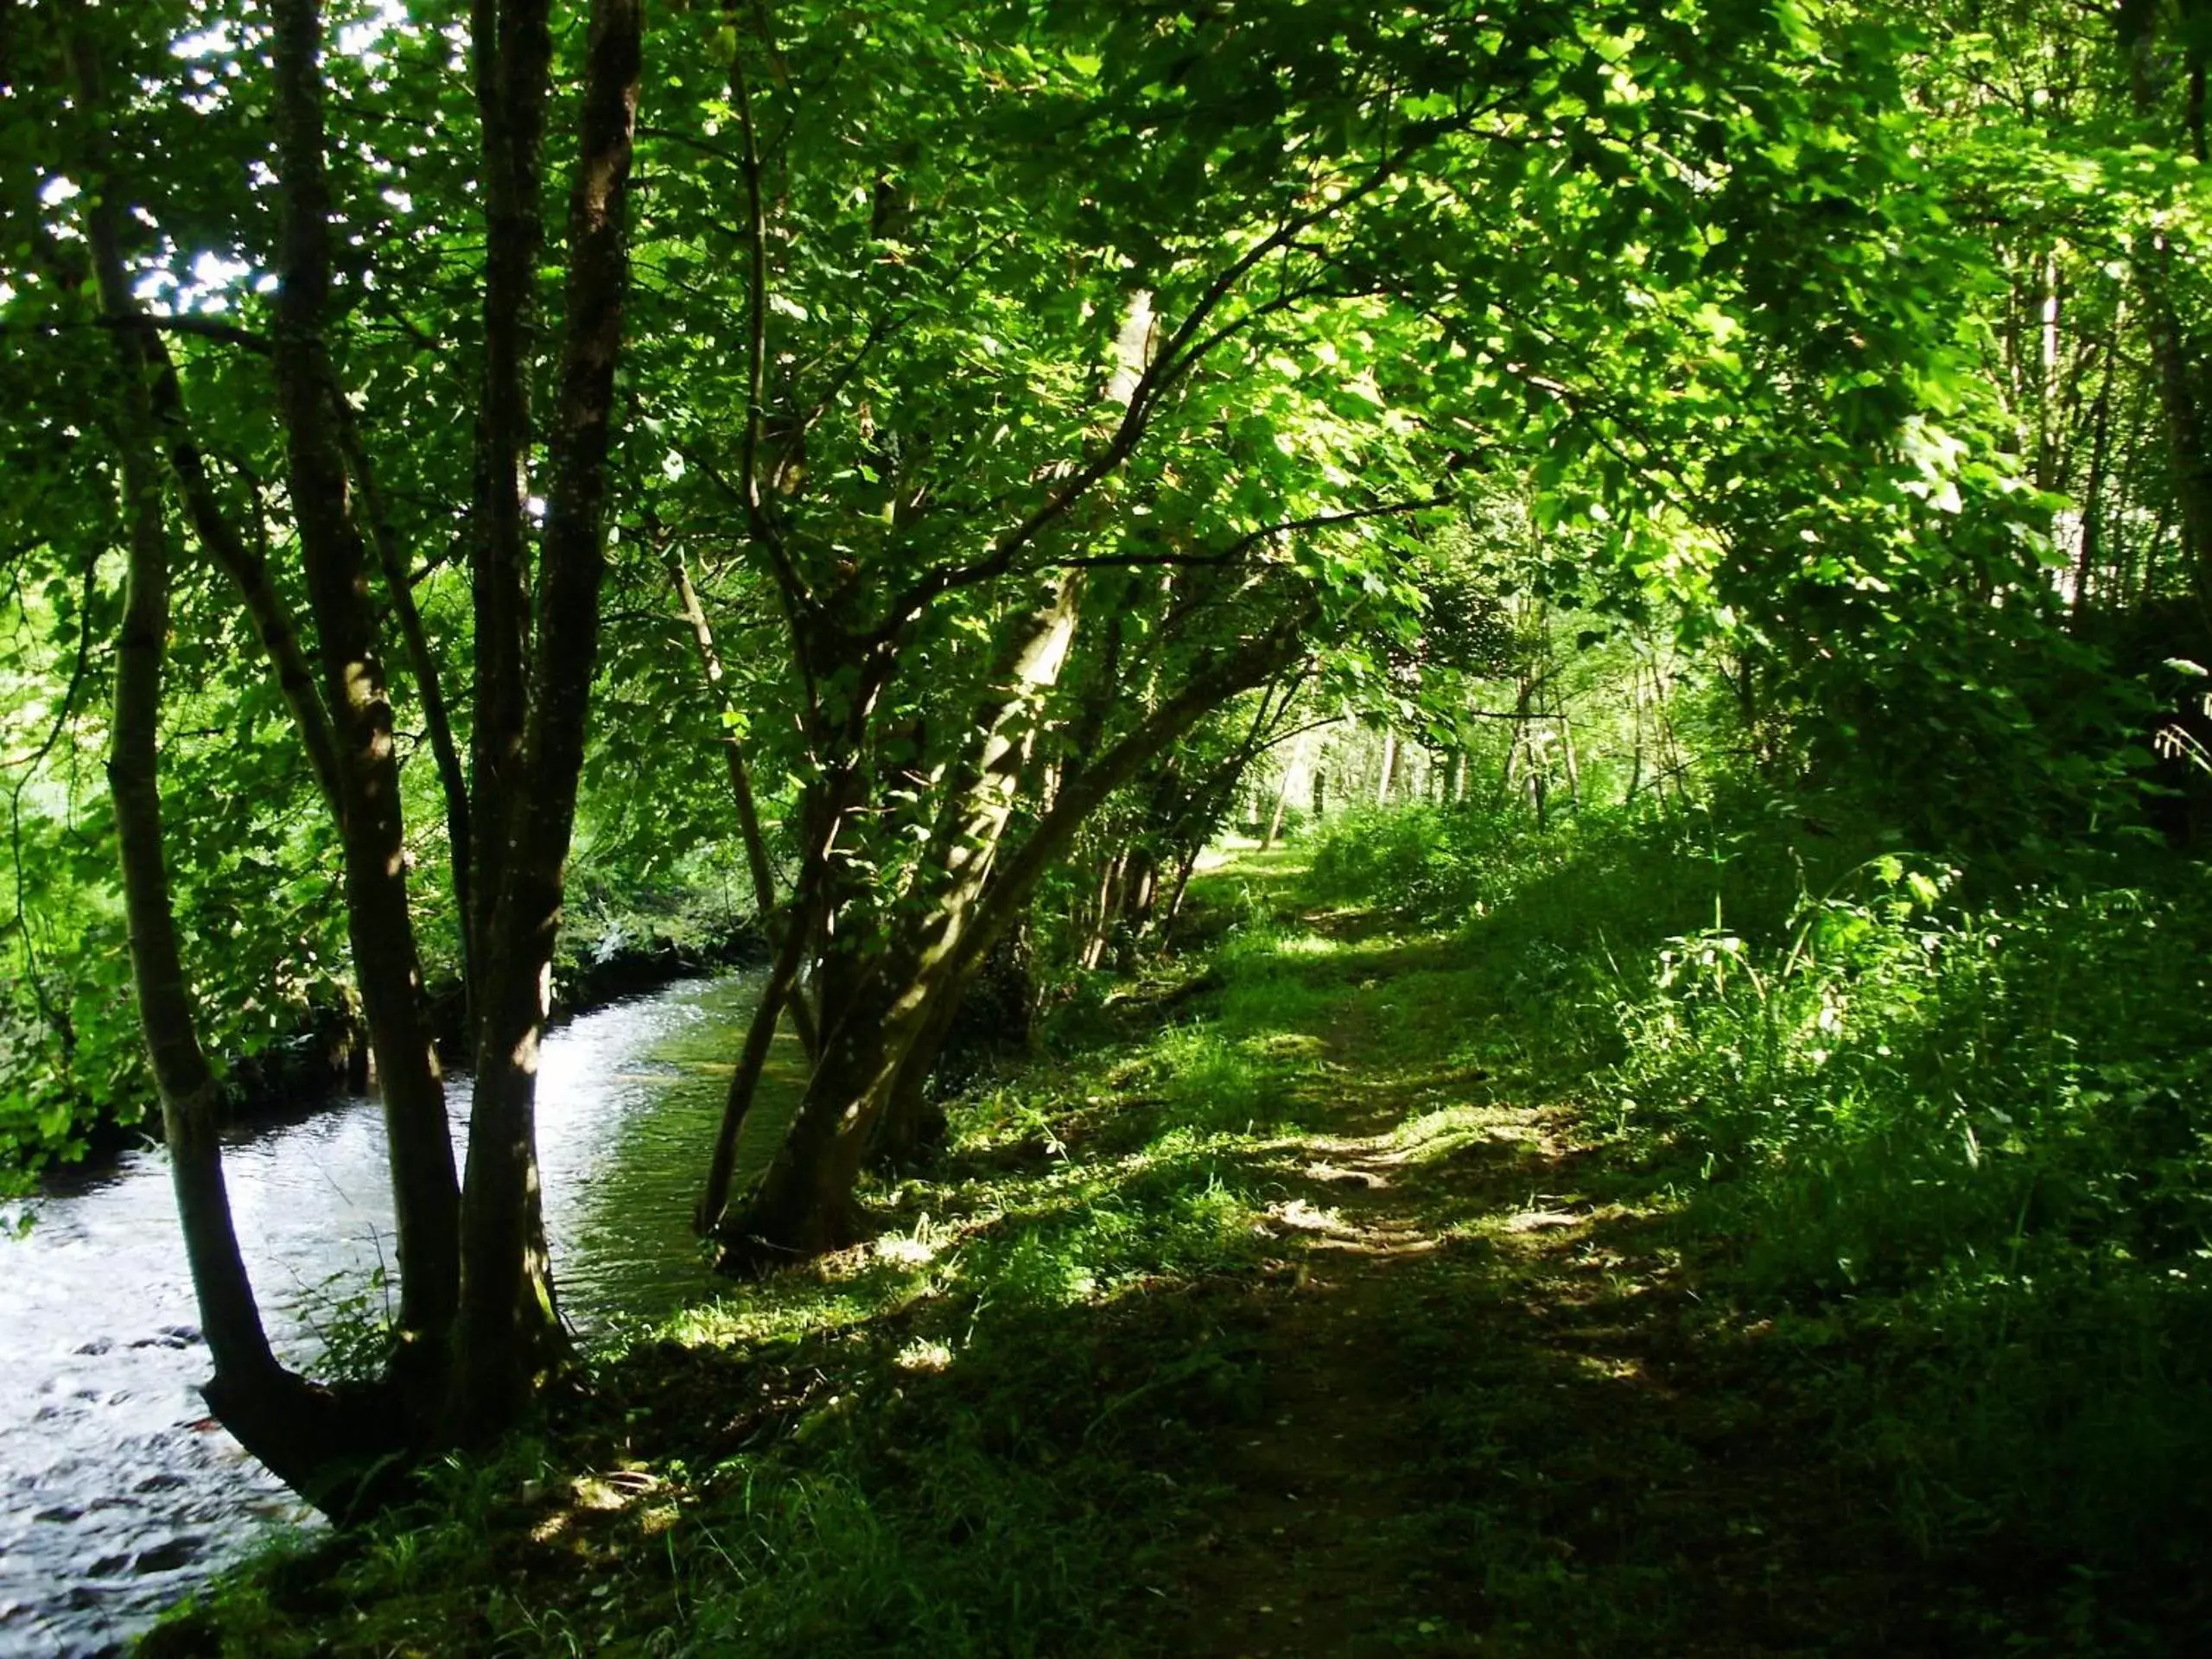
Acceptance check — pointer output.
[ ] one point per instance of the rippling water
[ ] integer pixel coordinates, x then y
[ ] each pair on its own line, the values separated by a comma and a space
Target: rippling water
116, 1494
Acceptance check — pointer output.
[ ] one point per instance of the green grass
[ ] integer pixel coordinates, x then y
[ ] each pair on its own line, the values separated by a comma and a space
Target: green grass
1489, 1244
1947, 1131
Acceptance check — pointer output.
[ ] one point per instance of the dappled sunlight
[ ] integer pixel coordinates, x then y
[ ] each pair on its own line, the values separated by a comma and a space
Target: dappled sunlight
1373, 1180
1302, 1217
1448, 1129
1467, 751
923, 1356
907, 1252
794, 1305
1334, 1291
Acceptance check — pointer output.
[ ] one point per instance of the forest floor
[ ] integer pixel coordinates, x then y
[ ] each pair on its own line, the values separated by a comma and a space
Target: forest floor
1289, 1307
1492, 1412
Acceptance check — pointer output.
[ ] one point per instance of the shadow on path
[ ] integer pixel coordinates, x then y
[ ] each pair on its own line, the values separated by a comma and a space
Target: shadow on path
1493, 1414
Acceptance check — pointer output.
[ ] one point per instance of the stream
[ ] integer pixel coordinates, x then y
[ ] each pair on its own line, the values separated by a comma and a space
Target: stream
117, 1496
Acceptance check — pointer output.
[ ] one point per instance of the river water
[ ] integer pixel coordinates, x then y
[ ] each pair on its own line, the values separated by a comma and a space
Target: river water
116, 1494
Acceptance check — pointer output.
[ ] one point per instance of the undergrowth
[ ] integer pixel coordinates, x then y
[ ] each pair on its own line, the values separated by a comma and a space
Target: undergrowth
1809, 1255
1950, 1128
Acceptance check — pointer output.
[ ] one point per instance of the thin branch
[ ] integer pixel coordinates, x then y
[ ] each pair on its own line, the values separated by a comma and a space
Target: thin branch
756, 325
691, 141
1311, 726
879, 331
1182, 352
798, 595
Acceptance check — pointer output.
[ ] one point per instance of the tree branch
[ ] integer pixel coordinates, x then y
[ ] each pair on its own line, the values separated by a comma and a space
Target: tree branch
1183, 350
135, 320
1244, 545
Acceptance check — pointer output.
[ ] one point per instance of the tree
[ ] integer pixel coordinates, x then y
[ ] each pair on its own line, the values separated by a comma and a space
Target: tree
476, 1320
1018, 427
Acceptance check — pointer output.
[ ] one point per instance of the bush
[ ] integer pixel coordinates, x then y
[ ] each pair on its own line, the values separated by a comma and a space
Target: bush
1982, 1131
1953, 1133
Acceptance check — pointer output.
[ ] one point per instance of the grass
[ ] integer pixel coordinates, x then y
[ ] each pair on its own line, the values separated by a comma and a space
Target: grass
1442, 1257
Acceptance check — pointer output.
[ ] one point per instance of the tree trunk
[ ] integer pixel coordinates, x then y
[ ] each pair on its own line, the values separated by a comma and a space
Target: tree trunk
1184, 868
979, 802
1140, 894
248, 571
805, 1204
740, 782
511, 49
760, 1036
912, 1126
1102, 913
740, 779
313, 1440
453, 782
229, 1316
1389, 767
1671, 762
1636, 752
1290, 770
1517, 742
2177, 358
2085, 563
509, 1331
373, 841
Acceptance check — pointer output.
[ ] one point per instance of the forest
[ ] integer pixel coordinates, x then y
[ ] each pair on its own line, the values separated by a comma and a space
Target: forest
1116, 827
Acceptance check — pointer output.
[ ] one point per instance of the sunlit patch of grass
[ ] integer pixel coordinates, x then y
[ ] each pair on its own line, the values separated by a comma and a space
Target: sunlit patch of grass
991, 1429
1177, 1208
800, 1307
1211, 1080
1284, 1046
1433, 1136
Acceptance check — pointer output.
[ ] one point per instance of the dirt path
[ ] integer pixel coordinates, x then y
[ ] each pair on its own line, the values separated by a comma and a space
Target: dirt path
1492, 1414
1308, 1549
1325, 1471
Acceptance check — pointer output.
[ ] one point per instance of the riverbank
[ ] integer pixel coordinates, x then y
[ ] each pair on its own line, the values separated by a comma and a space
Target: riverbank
117, 1495
1325, 1291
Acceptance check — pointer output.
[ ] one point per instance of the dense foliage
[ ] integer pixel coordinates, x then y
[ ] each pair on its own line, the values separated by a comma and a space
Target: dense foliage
1949, 1136
1754, 1279
1743, 467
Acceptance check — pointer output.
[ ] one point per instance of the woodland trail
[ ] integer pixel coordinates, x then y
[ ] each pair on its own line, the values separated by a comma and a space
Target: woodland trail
1290, 1310
1494, 1413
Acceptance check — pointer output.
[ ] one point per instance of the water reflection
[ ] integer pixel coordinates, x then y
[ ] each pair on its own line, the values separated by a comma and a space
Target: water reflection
116, 1494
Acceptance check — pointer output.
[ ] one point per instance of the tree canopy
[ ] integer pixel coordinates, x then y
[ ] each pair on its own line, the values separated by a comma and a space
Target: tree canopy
911, 472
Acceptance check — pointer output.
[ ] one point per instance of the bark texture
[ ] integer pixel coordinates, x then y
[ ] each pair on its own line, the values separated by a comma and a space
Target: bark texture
805, 1204
239, 560
372, 835
512, 50
319, 1441
391, 555
509, 1331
